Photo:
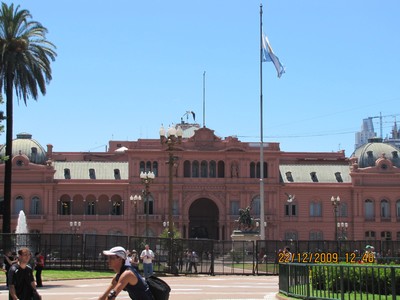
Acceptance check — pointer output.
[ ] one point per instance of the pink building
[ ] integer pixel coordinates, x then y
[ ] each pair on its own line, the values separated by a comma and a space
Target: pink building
213, 178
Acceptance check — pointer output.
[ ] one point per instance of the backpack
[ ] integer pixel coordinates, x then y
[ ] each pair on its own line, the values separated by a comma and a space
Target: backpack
159, 288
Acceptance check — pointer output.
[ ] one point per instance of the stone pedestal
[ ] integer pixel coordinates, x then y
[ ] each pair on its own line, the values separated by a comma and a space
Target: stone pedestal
239, 235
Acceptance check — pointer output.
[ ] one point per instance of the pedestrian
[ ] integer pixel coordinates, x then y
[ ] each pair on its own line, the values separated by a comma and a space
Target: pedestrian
128, 258
20, 277
126, 278
194, 258
135, 260
9, 259
147, 257
39, 265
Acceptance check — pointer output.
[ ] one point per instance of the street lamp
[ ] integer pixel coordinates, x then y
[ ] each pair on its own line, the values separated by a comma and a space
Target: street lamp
146, 178
74, 225
134, 200
173, 137
335, 202
343, 229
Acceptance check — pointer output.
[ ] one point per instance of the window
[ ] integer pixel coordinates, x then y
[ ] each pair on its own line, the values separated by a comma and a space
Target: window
255, 206
195, 169
116, 208
370, 235
90, 208
186, 169
290, 209
385, 210
369, 210
67, 173
175, 208
221, 169
65, 207
150, 201
252, 170
314, 177
289, 176
117, 174
398, 235
234, 207
398, 209
386, 236
204, 169
338, 177
35, 206
213, 169
315, 209
290, 235
19, 204
343, 209
316, 235
92, 174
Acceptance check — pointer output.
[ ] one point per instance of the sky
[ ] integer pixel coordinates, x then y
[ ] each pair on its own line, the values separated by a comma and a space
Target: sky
125, 67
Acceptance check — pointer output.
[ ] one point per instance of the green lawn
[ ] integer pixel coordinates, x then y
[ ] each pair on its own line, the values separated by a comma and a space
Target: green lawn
62, 275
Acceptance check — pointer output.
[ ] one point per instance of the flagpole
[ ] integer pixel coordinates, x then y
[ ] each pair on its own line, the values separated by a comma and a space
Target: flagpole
262, 227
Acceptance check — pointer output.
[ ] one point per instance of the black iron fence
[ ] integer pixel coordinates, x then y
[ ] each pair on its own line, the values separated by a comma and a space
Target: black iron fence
84, 251
339, 281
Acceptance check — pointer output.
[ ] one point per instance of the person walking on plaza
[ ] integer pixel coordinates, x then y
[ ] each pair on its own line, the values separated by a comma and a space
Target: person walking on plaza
135, 260
147, 257
126, 278
39, 264
9, 260
20, 277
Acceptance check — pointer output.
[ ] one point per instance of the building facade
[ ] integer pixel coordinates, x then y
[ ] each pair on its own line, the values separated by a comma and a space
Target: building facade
212, 179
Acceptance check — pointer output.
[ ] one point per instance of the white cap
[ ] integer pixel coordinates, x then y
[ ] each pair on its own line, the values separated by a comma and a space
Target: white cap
118, 251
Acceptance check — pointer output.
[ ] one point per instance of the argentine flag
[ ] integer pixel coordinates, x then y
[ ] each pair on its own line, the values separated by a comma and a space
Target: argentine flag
268, 55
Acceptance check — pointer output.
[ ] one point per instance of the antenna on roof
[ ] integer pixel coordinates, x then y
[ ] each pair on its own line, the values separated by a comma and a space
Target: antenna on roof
204, 99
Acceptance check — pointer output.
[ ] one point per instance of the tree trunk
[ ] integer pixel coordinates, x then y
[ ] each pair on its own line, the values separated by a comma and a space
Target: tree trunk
8, 163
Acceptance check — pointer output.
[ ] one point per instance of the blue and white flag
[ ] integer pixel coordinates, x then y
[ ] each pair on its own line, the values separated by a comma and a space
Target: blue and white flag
268, 55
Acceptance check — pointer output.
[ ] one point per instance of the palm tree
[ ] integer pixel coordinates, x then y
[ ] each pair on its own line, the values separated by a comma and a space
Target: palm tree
25, 57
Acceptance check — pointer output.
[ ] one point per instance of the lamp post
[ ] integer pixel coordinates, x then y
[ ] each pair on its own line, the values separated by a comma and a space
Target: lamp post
146, 178
173, 137
75, 226
134, 200
343, 229
335, 202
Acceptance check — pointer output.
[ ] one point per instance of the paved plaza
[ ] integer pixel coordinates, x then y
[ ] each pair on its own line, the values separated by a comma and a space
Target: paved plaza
183, 288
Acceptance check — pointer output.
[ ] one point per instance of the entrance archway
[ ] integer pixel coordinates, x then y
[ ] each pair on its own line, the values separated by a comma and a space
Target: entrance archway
203, 219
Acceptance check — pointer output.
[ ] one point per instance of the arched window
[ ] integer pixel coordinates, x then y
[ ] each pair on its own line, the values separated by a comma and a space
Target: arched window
195, 169
385, 209
19, 204
369, 210
90, 207
186, 169
203, 169
155, 168
65, 207
116, 208
398, 209
221, 169
386, 236
142, 166
35, 206
252, 170
213, 169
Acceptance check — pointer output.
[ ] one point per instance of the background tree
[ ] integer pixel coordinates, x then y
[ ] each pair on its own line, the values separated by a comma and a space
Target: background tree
25, 57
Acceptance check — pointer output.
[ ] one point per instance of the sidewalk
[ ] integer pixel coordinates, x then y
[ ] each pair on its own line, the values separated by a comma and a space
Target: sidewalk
194, 287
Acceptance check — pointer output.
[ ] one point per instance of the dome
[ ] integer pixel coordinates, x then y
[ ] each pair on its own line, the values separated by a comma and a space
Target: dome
24, 144
367, 154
